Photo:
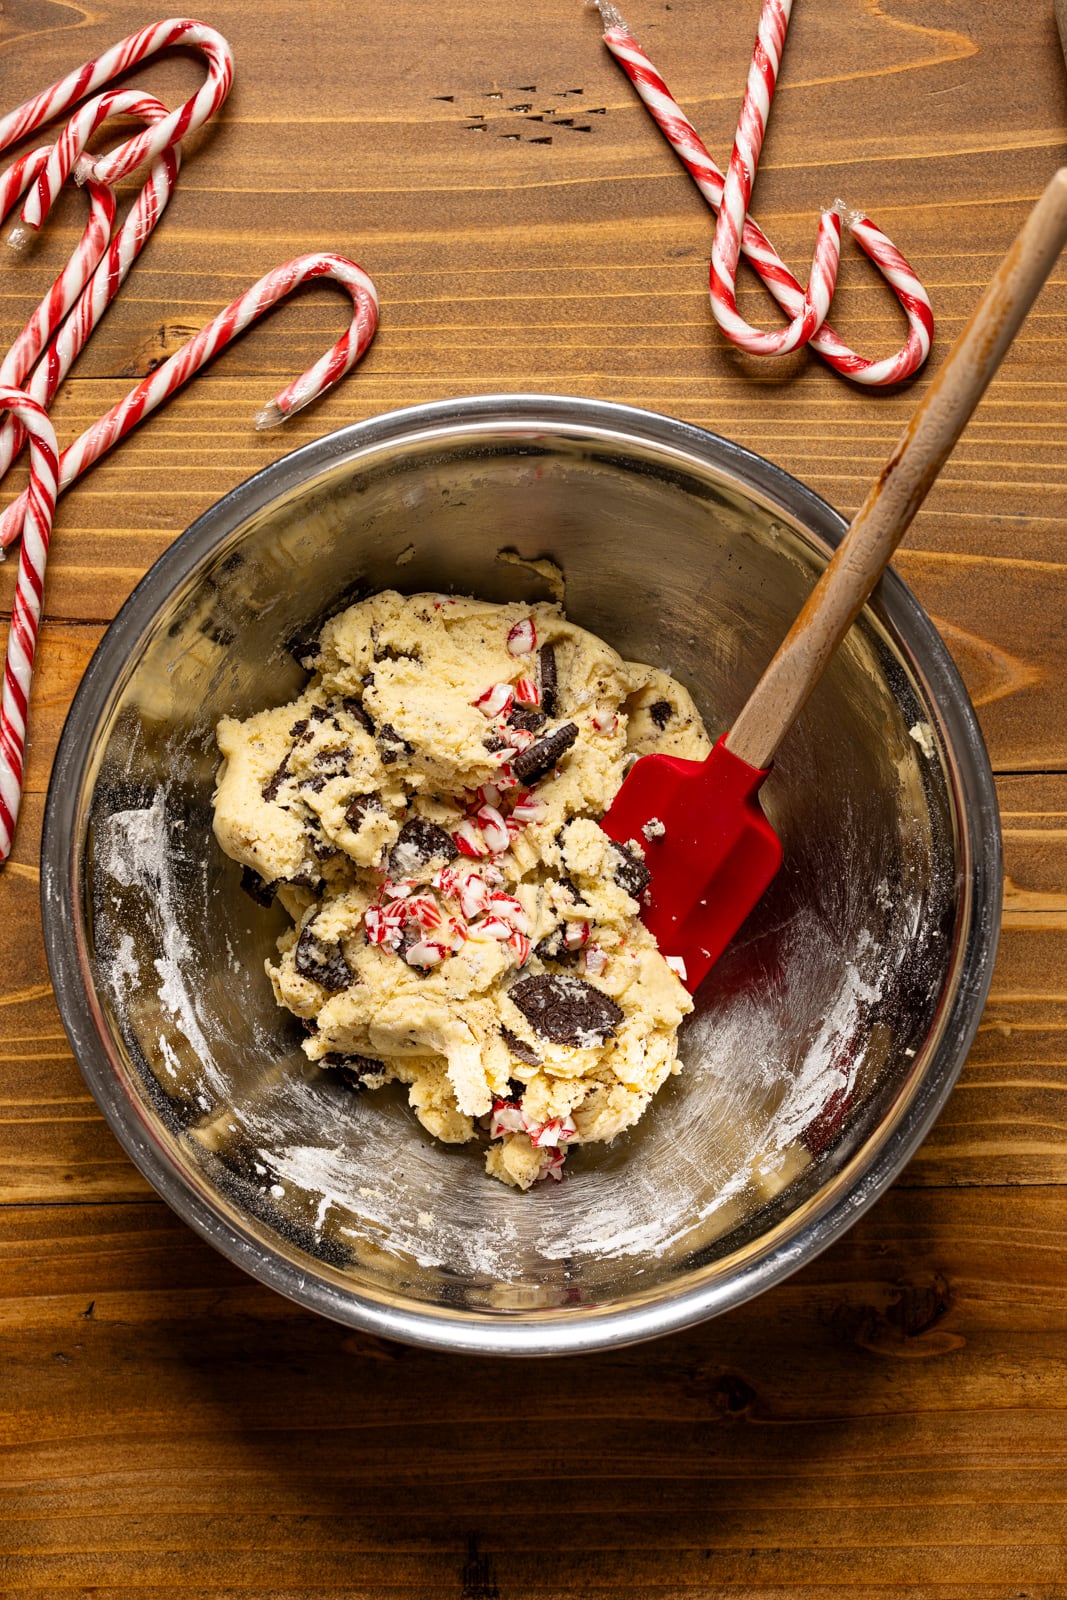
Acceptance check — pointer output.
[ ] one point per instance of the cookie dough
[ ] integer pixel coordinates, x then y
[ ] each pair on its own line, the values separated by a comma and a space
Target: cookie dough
426, 813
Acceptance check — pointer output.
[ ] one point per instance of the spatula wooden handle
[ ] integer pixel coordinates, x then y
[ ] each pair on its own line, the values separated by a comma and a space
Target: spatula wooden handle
920, 453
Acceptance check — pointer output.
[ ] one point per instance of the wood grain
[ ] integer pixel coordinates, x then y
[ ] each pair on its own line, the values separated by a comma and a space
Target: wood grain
891, 1421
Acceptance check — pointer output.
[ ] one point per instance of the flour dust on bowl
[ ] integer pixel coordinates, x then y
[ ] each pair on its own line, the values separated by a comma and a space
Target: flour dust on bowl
822, 1045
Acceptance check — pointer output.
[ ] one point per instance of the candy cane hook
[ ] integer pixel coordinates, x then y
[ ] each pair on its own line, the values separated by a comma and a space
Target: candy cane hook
70, 147
127, 53
161, 384
757, 248
737, 193
94, 275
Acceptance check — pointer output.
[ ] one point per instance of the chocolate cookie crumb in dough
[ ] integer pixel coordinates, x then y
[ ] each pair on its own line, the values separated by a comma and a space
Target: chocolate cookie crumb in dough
426, 811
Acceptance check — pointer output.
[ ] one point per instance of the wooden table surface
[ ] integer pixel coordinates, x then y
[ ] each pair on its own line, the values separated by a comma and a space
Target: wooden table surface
893, 1420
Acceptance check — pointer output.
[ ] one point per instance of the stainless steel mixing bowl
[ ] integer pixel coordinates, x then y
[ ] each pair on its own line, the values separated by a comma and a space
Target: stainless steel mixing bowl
823, 1044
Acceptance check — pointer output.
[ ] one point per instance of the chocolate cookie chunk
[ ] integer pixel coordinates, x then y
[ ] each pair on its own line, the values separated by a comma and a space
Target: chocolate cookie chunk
362, 807
546, 658
273, 784
631, 873
333, 763
529, 719
299, 734
358, 714
303, 650
391, 746
553, 947
352, 1070
532, 763
323, 963
566, 1010
254, 886
521, 1051
420, 842
661, 713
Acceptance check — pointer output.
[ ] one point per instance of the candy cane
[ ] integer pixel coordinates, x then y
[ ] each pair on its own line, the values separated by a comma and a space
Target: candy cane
757, 248
153, 141
65, 290
40, 501
737, 192
71, 144
71, 280
109, 273
159, 385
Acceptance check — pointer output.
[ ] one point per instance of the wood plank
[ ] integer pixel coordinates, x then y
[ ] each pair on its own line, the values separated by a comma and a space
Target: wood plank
889, 1421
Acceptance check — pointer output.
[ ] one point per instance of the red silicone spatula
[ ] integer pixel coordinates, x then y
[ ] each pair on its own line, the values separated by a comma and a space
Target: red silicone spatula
710, 849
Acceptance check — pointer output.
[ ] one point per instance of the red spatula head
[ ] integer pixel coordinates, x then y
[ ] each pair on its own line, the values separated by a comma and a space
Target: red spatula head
708, 845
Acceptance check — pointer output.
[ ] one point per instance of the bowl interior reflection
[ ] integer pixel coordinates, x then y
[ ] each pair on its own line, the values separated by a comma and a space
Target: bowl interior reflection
809, 1037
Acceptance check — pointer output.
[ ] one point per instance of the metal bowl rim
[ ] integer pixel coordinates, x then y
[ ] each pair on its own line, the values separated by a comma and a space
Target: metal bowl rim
534, 1333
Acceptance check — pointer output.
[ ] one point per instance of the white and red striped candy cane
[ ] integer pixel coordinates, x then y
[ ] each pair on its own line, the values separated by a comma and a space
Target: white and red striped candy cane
104, 282
159, 385
737, 192
70, 146
48, 315
40, 501
757, 248
153, 141
71, 280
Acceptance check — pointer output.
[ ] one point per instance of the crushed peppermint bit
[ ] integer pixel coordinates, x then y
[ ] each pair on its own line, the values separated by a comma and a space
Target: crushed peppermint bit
493, 828
596, 960
522, 640
468, 839
496, 701
677, 965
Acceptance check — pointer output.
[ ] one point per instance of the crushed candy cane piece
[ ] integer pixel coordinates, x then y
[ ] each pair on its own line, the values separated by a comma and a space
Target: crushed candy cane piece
527, 693
523, 638
596, 960
488, 794
447, 881
561, 1130
677, 965
605, 721
575, 934
426, 953
520, 947
505, 1118
495, 701
552, 1167
512, 910
494, 830
423, 909
493, 928
473, 895
527, 808
468, 840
